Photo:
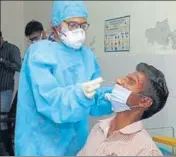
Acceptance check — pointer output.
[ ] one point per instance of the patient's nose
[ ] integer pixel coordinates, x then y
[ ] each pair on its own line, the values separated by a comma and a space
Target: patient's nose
121, 81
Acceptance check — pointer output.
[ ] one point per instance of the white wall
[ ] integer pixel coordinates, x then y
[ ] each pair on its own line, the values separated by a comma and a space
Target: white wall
144, 15
37, 10
12, 22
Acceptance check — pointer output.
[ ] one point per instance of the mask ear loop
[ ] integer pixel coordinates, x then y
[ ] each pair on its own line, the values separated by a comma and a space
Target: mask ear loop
132, 107
41, 36
59, 30
140, 95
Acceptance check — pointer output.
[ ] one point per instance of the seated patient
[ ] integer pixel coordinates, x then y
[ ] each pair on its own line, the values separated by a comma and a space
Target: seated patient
124, 133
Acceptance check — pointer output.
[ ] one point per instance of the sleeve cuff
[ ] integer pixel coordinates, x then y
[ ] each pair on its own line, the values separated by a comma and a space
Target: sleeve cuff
86, 102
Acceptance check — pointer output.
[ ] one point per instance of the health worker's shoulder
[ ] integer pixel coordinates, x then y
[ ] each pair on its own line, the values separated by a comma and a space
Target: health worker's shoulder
87, 50
42, 50
39, 46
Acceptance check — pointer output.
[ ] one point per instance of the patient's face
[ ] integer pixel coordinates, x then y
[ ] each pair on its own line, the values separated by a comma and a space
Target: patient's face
136, 82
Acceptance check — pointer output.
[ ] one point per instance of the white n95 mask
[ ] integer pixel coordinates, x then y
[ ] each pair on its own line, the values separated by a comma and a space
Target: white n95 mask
118, 98
73, 39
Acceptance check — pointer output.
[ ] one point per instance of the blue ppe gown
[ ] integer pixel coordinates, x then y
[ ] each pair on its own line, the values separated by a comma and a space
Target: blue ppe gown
52, 111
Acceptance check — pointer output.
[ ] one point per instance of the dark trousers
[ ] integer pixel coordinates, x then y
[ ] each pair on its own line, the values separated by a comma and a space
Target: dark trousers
4, 142
5, 103
3, 152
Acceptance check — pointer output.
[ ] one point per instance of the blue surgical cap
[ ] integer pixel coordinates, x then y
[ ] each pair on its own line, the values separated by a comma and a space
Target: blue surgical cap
63, 10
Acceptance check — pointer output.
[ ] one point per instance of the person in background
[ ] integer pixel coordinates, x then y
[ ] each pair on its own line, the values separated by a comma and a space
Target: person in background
10, 62
34, 31
124, 133
51, 37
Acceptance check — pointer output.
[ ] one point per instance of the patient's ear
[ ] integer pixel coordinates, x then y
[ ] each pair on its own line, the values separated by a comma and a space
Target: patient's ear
145, 102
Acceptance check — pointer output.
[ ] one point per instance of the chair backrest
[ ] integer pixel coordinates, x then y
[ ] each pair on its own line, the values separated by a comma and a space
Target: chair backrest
165, 152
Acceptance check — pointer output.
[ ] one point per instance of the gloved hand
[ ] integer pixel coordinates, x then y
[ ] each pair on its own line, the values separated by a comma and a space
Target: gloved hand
90, 87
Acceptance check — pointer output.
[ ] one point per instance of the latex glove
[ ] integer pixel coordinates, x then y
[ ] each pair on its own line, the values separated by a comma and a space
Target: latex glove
89, 88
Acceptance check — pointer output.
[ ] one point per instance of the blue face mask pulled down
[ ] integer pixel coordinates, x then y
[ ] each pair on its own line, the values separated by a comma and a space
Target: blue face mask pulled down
118, 98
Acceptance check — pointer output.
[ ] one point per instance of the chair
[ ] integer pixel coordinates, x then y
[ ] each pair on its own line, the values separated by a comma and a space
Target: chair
170, 141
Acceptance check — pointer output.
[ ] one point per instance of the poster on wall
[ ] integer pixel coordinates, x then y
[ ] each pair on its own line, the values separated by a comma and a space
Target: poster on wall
117, 34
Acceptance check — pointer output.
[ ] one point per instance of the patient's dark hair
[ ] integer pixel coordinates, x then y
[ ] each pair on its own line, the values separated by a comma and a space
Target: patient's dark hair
156, 89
